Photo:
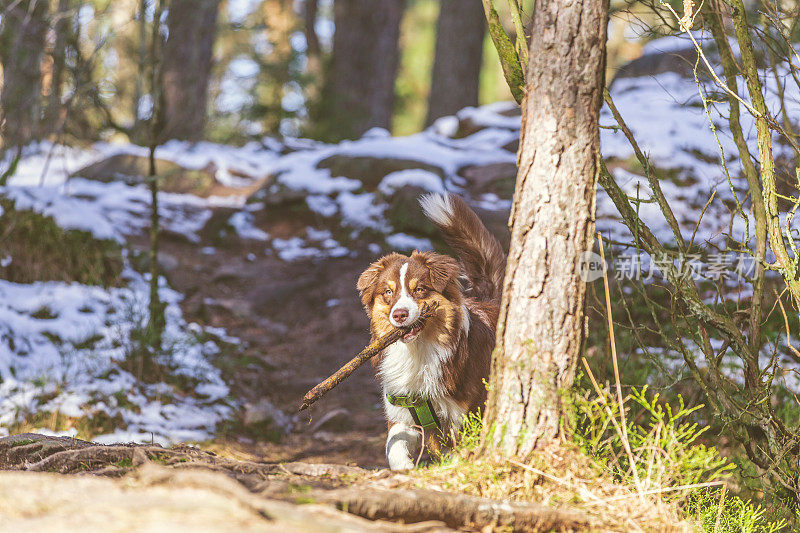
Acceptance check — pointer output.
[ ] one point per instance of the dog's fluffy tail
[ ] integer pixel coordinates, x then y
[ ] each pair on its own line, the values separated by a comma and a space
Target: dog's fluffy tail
480, 254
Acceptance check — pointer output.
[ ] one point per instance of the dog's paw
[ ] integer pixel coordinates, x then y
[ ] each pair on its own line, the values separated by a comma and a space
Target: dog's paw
403, 440
400, 463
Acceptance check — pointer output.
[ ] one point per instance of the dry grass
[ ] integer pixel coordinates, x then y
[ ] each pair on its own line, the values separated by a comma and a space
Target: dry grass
558, 475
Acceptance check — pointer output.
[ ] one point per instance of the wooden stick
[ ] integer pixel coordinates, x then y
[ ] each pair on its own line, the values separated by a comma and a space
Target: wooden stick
374, 348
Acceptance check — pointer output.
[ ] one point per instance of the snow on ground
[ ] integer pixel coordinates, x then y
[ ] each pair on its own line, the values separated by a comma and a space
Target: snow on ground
63, 348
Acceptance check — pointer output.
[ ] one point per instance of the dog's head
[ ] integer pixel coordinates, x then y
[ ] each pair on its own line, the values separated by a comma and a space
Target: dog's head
394, 288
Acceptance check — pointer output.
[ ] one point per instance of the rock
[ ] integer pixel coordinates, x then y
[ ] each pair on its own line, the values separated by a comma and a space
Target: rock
405, 214
467, 125
266, 415
337, 420
168, 262
679, 61
217, 229
132, 169
277, 195
512, 147
497, 178
371, 170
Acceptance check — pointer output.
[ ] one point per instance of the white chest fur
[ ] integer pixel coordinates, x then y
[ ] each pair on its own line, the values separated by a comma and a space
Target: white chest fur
416, 369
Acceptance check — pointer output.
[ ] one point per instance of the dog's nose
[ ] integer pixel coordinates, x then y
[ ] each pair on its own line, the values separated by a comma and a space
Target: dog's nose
400, 315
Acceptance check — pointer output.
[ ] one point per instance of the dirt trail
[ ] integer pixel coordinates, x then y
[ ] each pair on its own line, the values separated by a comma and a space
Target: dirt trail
300, 322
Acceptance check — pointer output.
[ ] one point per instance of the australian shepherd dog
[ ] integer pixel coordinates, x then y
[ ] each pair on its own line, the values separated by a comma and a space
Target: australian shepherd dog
435, 375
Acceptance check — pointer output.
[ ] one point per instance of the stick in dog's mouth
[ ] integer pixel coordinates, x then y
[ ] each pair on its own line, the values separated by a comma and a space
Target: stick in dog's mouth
375, 347
413, 333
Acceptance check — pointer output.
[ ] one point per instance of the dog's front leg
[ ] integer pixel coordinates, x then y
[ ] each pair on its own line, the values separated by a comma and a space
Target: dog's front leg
402, 445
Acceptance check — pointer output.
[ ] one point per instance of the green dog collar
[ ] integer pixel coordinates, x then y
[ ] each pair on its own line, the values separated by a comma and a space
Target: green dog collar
420, 408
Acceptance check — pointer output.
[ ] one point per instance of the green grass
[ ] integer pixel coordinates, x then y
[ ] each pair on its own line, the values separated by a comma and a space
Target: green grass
23, 442
669, 450
127, 462
42, 251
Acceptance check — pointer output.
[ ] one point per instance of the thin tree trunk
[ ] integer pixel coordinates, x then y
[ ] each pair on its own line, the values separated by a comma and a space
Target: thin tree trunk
187, 64
749, 71
156, 321
540, 332
21, 47
141, 67
62, 28
281, 21
730, 70
360, 86
457, 62
314, 50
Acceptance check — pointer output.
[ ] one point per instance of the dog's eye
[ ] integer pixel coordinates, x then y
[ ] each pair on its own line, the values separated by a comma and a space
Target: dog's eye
419, 291
388, 293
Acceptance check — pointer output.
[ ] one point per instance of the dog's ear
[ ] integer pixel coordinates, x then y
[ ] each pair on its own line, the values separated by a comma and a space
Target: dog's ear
441, 268
368, 280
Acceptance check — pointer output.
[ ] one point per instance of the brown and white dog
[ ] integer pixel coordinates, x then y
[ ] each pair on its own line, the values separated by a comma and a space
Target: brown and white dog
447, 362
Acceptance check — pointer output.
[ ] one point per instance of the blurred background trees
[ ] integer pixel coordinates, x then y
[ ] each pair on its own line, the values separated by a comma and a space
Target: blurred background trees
21, 48
234, 70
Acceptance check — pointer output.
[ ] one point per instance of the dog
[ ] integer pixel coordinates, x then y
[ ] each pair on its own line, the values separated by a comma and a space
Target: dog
435, 375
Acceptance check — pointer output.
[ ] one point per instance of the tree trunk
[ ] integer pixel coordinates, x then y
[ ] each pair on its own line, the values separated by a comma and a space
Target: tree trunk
540, 332
457, 62
187, 64
21, 48
62, 28
360, 86
280, 21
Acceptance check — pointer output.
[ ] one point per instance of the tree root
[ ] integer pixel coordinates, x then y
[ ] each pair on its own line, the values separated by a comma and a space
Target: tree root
455, 510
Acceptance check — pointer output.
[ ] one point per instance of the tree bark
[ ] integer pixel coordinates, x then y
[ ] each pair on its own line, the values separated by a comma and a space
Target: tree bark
62, 29
540, 332
187, 64
280, 21
21, 47
457, 62
359, 92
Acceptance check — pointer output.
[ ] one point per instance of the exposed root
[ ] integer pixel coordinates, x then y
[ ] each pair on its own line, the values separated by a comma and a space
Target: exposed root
455, 510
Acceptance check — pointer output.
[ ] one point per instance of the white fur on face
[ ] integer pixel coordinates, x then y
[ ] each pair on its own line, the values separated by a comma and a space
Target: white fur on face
404, 302
402, 442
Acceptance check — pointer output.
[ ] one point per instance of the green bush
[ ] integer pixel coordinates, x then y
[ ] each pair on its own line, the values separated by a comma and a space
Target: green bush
666, 454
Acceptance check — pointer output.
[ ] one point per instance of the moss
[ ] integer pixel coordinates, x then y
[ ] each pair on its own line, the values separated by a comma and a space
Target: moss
40, 250
161, 458
22, 442
127, 462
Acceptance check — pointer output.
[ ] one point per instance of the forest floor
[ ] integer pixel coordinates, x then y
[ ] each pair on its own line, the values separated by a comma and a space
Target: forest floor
293, 336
